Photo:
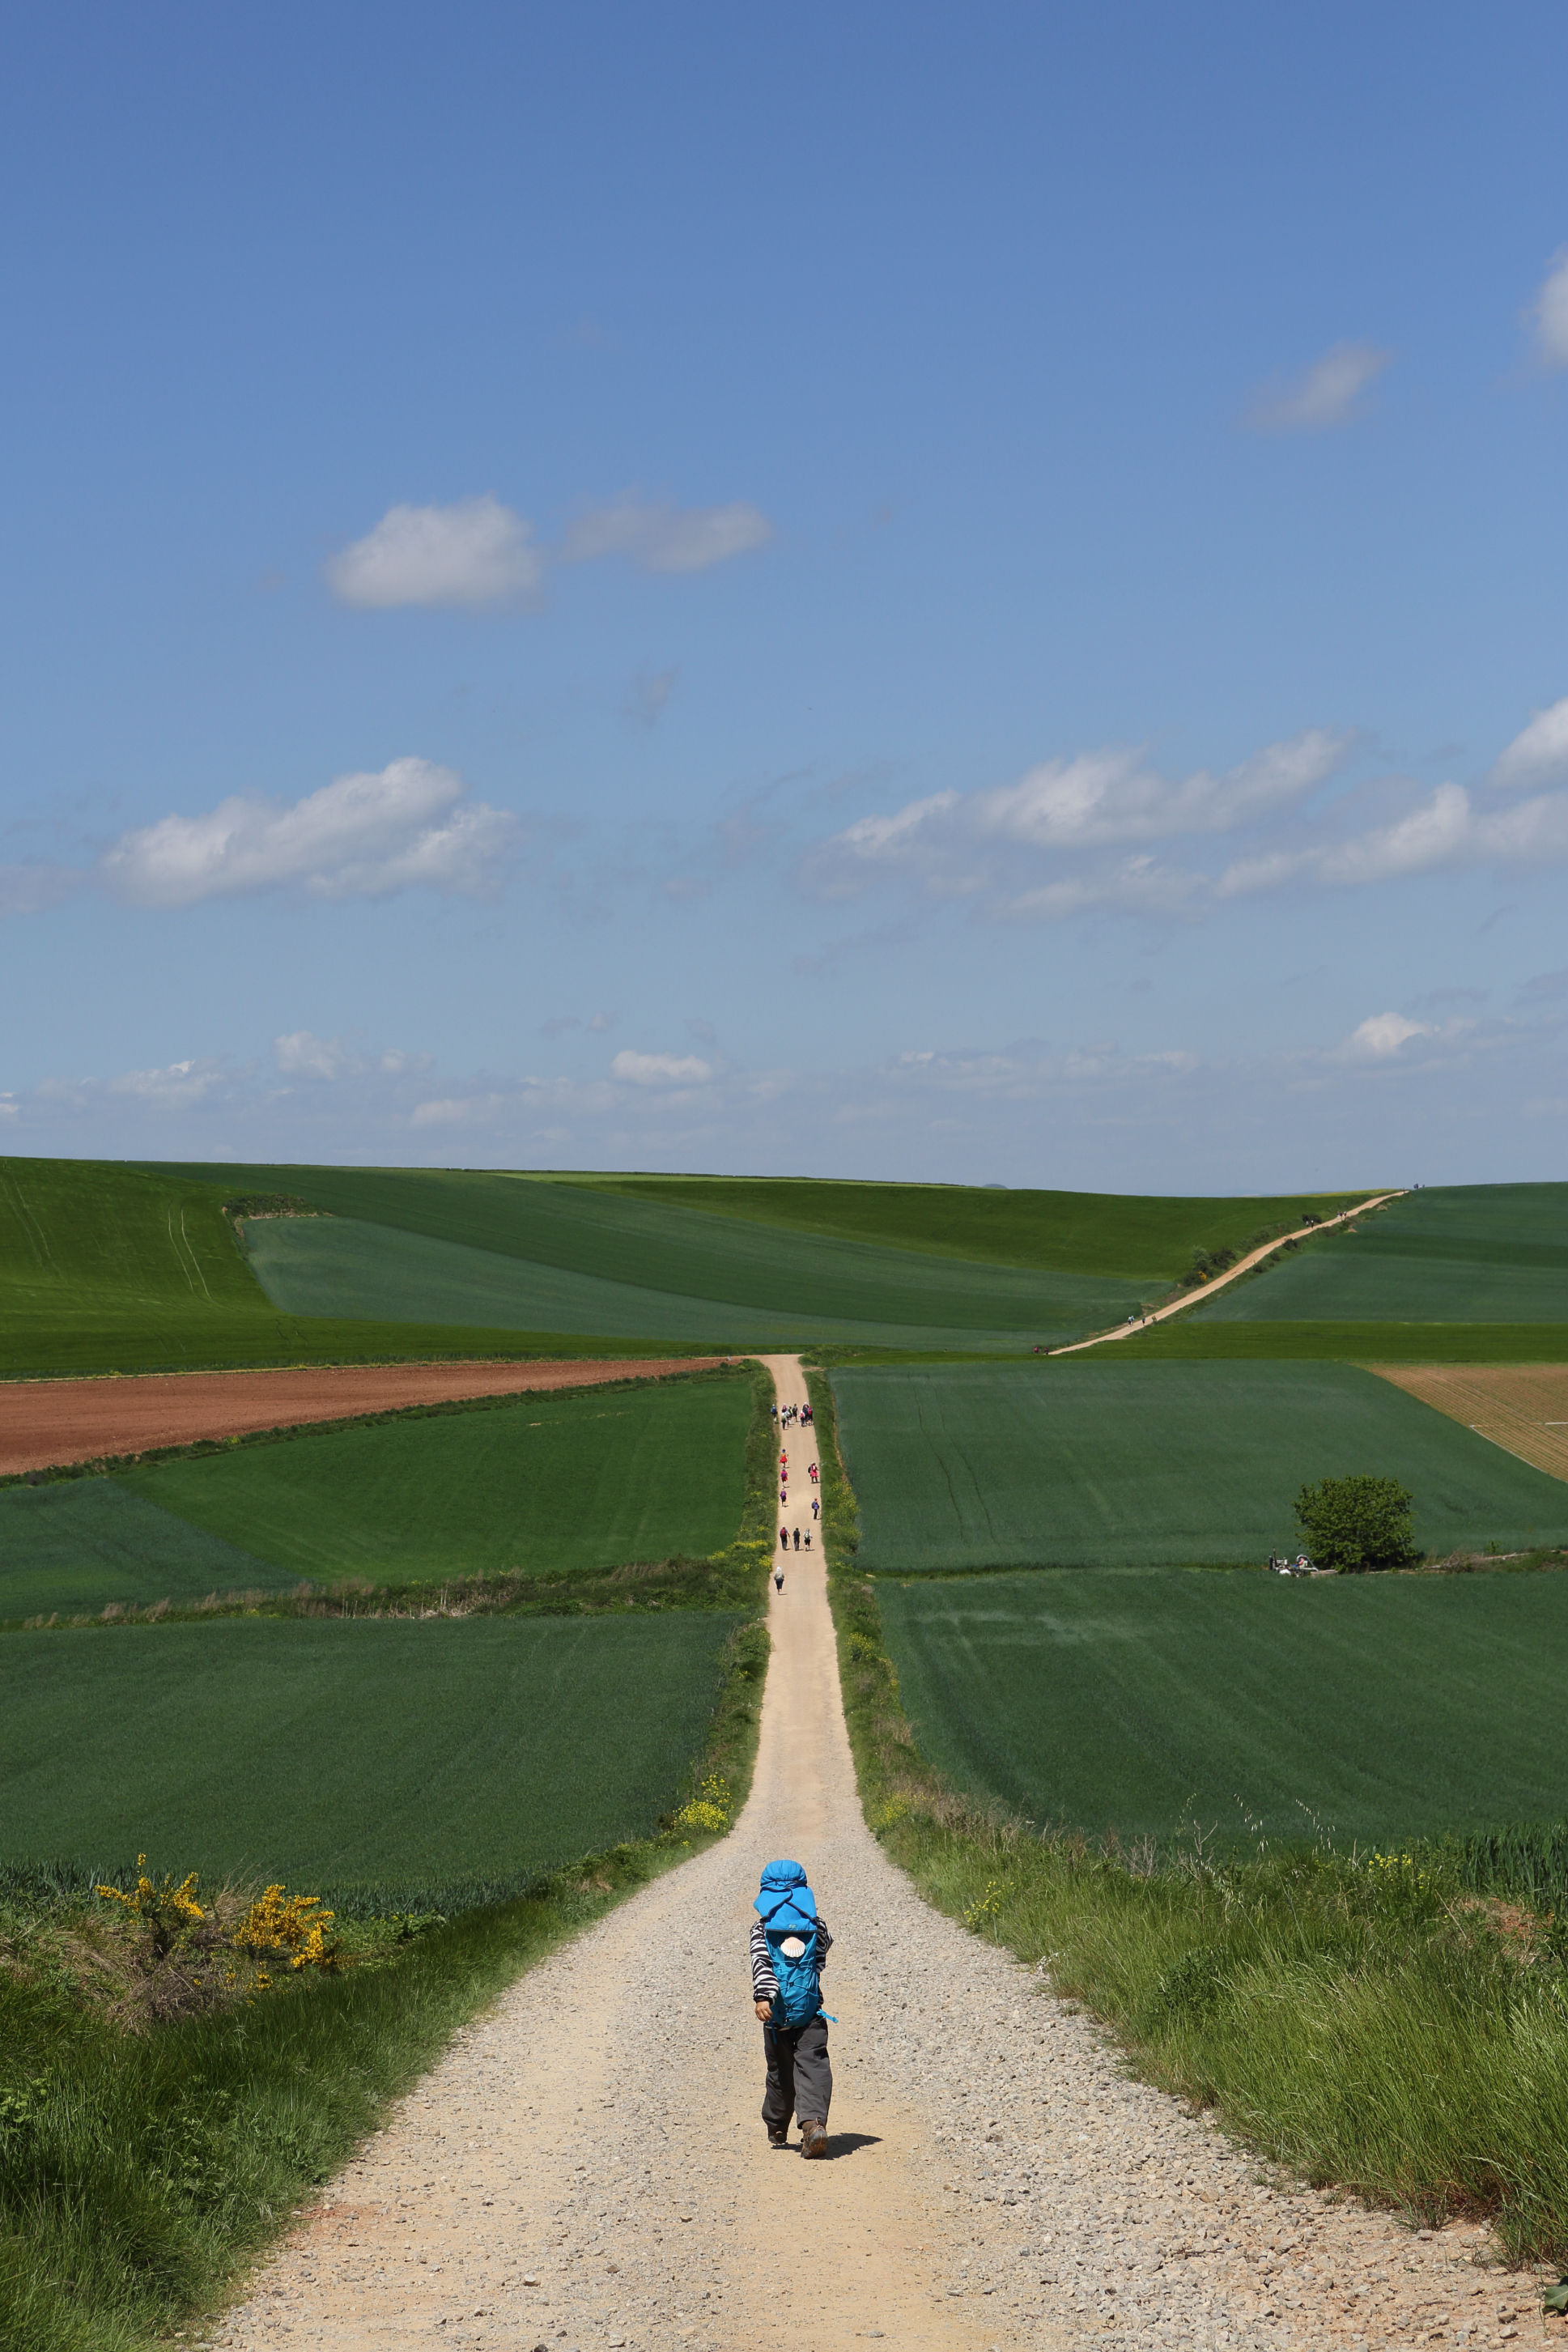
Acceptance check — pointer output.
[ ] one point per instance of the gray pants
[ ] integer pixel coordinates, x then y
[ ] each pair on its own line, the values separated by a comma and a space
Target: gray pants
799, 2075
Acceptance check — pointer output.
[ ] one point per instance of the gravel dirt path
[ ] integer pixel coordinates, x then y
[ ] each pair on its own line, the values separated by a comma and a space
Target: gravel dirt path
1219, 1282
587, 2167
44, 1424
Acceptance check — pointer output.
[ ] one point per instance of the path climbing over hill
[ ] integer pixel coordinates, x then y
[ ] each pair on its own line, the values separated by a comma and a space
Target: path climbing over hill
587, 2167
1232, 1273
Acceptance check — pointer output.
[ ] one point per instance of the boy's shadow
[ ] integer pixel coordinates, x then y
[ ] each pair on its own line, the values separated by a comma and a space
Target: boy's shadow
847, 2143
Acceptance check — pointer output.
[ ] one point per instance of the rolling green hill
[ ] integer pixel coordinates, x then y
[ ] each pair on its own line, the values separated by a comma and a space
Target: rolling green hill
1141, 1238
1458, 1253
692, 1259
1100, 1463
109, 1268
735, 1261
345, 1268
1383, 1707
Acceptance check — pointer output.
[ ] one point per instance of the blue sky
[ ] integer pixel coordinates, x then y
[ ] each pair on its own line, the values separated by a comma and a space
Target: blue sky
962, 593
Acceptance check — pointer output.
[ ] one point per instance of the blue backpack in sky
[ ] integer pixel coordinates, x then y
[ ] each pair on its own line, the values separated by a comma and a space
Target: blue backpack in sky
788, 1909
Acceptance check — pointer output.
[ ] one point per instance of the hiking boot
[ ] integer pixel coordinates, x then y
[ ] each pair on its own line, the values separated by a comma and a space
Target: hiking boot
813, 2138
779, 2139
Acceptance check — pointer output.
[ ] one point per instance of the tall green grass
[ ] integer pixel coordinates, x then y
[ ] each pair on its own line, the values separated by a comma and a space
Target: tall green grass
1364, 2024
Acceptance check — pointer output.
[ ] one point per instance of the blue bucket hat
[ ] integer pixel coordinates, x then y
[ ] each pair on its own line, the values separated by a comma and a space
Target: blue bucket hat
786, 1902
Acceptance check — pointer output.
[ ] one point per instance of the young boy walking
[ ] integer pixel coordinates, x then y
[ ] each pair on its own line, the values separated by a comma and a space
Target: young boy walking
789, 1945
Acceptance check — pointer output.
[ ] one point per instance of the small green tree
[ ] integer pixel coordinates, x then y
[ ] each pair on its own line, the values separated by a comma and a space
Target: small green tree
1357, 1522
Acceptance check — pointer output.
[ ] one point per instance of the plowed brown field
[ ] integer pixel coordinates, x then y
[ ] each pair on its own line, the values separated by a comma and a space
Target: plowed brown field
44, 1424
1521, 1407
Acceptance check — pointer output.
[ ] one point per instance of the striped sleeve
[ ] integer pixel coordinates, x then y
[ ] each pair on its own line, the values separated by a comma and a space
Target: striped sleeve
764, 1983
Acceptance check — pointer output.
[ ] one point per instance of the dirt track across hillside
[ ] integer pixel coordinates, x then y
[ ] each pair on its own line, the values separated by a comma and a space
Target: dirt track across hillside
1523, 1408
587, 2167
1223, 1281
45, 1425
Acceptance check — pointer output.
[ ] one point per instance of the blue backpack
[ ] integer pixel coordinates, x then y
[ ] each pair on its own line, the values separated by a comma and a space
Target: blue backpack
788, 1909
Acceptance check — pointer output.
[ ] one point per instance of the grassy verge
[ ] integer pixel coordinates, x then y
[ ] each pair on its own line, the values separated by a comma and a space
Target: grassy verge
1386, 2024
144, 2163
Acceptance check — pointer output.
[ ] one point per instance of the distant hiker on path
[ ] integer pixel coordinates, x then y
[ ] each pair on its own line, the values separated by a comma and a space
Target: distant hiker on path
778, 1578
789, 1946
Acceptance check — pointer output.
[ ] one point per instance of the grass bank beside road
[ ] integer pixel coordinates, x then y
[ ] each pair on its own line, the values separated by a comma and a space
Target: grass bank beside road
1370, 2021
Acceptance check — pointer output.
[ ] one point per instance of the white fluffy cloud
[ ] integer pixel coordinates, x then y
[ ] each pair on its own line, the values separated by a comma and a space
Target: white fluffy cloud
660, 537
660, 1069
966, 843
1539, 753
1379, 1038
359, 836
477, 552
1076, 835
1549, 313
1325, 394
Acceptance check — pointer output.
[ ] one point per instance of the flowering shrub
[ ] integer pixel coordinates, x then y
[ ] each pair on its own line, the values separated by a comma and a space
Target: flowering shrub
167, 1911
200, 1949
292, 1923
709, 1808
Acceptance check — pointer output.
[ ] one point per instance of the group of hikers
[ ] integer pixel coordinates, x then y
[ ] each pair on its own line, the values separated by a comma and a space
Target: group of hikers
790, 1416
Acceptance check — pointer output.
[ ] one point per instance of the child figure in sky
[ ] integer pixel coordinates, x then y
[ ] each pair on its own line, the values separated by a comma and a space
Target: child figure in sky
789, 1945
